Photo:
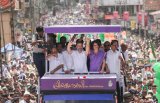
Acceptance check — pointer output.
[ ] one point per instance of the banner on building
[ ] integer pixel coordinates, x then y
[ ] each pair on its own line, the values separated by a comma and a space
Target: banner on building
109, 36
108, 17
133, 24
125, 15
115, 15
139, 17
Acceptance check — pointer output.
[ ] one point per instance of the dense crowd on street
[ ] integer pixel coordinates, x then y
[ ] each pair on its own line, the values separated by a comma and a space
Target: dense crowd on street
139, 72
71, 16
19, 82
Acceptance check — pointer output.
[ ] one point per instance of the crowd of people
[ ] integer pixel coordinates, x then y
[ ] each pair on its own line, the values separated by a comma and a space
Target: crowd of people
72, 16
19, 79
139, 72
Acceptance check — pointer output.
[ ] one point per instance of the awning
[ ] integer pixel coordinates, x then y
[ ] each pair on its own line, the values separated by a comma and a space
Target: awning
10, 47
108, 17
155, 12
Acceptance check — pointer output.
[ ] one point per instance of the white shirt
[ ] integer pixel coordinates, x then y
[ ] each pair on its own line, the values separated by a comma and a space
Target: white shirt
113, 61
68, 60
8, 101
24, 55
6, 73
35, 47
134, 77
134, 54
22, 76
54, 62
79, 61
126, 55
15, 62
22, 101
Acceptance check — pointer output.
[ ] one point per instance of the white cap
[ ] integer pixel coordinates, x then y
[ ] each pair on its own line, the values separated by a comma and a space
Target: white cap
26, 93
150, 91
148, 96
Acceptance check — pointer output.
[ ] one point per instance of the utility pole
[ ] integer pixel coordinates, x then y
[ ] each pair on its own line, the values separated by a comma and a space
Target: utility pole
121, 3
1, 47
115, 7
143, 24
139, 30
30, 12
12, 27
125, 4
39, 9
143, 19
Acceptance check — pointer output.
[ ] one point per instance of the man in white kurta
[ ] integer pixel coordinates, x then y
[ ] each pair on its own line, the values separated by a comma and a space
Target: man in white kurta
79, 56
68, 60
79, 61
113, 60
56, 61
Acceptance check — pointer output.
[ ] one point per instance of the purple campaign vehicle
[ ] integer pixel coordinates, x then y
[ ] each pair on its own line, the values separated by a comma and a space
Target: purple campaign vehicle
79, 87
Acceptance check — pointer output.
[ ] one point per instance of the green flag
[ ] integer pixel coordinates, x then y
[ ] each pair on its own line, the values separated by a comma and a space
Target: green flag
101, 36
153, 49
58, 37
67, 36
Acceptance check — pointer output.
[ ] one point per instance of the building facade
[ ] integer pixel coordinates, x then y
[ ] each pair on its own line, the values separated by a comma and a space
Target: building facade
133, 6
5, 29
152, 5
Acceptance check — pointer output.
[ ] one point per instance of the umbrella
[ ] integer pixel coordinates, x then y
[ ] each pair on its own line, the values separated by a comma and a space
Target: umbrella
10, 47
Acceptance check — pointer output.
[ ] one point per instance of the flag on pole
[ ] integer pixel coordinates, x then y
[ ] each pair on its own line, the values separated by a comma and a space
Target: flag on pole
58, 37
153, 49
